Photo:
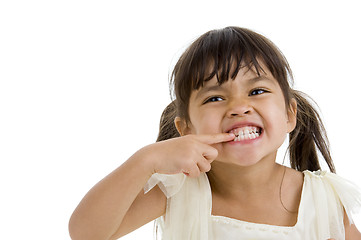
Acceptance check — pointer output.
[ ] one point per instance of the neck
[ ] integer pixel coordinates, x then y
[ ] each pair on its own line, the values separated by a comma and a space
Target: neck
231, 180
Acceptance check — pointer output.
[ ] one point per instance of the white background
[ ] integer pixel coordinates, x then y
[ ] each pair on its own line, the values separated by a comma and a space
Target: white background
83, 84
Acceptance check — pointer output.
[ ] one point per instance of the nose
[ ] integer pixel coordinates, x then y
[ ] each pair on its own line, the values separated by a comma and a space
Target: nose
238, 108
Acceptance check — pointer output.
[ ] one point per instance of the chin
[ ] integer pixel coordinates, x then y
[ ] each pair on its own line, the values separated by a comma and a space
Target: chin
241, 161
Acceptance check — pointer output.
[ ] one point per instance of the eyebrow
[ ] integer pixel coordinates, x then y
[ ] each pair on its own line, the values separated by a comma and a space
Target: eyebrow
220, 87
258, 78
208, 89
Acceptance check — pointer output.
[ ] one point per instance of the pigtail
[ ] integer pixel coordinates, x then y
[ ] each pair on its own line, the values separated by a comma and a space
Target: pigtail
308, 134
167, 127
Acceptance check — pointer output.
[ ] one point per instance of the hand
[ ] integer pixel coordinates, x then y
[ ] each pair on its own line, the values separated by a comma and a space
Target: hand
190, 154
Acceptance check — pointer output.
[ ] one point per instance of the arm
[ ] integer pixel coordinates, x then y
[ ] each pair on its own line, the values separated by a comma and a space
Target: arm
351, 232
117, 205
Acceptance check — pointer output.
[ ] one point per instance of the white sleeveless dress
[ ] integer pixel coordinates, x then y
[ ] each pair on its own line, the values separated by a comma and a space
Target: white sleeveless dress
189, 207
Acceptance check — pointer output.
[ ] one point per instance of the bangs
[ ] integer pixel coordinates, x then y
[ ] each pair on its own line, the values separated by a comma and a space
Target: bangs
222, 53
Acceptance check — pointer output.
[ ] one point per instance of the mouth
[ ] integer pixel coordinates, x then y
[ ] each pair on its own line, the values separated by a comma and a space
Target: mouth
246, 133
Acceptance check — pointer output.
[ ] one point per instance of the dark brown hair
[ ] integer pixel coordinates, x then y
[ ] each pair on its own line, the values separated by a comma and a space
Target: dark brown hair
222, 53
167, 127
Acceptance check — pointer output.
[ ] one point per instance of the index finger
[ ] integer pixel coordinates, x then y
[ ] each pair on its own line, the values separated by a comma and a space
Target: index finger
216, 138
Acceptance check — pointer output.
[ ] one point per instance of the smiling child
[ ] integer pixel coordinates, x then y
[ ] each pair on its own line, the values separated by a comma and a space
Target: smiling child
215, 176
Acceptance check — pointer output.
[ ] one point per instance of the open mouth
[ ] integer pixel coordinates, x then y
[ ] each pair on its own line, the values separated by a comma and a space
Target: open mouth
246, 133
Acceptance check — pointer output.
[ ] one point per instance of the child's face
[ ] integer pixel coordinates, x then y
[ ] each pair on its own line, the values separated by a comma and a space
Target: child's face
248, 100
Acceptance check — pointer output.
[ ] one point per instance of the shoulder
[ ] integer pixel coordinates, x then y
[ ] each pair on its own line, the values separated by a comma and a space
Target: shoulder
293, 181
292, 188
295, 176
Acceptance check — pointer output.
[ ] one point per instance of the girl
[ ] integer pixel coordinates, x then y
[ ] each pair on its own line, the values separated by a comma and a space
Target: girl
219, 180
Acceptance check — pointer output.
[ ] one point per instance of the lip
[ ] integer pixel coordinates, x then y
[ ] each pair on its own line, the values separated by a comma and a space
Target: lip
243, 124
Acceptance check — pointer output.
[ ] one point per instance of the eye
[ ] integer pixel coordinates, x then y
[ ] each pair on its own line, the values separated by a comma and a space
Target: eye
257, 91
213, 99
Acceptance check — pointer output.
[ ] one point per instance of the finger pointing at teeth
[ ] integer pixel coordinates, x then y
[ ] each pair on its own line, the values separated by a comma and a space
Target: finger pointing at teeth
216, 138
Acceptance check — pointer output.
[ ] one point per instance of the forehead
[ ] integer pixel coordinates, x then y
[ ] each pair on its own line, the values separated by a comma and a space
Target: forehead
214, 72
247, 76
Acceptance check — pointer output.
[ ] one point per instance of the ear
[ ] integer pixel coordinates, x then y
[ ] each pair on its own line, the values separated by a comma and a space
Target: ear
292, 115
182, 126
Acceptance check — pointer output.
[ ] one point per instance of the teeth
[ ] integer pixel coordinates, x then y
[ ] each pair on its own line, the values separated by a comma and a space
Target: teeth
246, 133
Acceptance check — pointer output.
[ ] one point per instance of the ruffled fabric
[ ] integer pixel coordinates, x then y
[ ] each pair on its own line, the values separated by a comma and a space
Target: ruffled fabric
188, 206
325, 198
169, 184
348, 193
331, 196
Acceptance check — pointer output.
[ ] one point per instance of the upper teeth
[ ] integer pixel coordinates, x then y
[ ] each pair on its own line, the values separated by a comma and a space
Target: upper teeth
248, 132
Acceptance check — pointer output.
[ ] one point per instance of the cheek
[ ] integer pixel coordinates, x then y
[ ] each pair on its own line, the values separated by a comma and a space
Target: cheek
277, 117
205, 122
196, 120
208, 125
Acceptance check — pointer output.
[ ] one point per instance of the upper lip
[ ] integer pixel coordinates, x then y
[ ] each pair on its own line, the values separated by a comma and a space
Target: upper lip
242, 124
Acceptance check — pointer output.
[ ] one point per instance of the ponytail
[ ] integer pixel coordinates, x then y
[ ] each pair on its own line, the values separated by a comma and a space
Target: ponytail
167, 128
308, 134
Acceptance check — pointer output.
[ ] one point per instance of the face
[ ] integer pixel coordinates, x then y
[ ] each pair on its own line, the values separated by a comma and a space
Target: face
251, 106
